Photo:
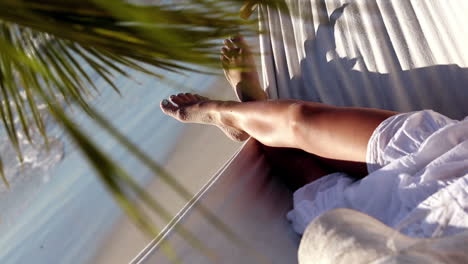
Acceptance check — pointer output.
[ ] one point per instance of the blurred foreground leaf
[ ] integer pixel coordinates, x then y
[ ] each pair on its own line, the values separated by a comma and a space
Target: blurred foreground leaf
45, 46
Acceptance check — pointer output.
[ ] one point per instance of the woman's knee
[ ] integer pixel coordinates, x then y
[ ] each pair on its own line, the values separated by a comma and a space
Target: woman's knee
304, 118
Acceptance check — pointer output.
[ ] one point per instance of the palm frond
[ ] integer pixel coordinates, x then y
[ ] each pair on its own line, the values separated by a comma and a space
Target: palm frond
165, 36
31, 77
44, 44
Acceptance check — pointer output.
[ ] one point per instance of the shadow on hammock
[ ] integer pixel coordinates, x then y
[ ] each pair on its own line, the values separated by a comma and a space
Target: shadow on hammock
342, 81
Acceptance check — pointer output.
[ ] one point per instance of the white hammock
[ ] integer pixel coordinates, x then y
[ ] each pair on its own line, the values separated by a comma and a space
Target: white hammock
400, 55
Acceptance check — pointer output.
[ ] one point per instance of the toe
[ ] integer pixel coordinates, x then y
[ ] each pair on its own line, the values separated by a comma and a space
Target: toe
225, 52
183, 97
168, 108
176, 99
237, 38
190, 97
199, 97
228, 43
239, 41
224, 60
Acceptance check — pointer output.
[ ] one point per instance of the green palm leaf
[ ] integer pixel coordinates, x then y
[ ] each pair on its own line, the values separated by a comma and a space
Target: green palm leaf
45, 69
43, 45
160, 35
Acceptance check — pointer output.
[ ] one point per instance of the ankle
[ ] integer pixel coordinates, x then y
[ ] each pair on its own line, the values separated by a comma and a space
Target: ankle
222, 113
250, 91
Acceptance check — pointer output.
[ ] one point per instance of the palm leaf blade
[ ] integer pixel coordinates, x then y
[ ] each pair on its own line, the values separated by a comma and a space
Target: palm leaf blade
44, 43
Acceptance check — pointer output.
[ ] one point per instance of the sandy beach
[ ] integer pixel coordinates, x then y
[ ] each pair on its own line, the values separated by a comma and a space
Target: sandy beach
200, 152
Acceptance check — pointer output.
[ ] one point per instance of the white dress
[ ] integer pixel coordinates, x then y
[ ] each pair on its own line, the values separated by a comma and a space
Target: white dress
417, 182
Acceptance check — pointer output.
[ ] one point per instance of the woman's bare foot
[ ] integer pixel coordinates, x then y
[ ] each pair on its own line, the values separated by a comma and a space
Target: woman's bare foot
239, 68
193, 108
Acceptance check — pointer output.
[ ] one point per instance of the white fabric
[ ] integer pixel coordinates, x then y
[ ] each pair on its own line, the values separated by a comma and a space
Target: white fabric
343, 236
417, 182
400, 55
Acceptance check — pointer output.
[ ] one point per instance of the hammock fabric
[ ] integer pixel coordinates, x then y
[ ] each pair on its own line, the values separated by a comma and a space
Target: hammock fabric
250, 204
399, 55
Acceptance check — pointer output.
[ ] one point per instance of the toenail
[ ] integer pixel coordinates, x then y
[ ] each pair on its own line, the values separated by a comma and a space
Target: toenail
165, 102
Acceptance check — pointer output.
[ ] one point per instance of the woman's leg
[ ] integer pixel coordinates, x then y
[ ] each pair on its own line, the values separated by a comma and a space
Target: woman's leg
335, 133
294, 167
240, 71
